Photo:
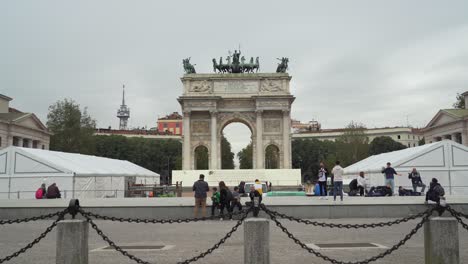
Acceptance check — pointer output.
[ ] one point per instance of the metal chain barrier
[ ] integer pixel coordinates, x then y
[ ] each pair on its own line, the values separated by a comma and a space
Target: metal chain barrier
138, 260
158, 221
334, 261
222, 241
29, 219
39, 238
458, 216
348, 226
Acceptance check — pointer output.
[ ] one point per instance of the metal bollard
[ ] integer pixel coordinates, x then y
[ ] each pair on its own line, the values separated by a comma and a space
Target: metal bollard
256, 241
441, 245
72, 242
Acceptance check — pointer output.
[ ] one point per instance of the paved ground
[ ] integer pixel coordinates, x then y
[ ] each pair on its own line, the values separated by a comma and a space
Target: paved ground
190, 239
188, 201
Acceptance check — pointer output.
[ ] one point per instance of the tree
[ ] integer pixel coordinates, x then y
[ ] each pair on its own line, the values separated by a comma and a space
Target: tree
201, 158
460, 103
422, 141
227, 156
353, 145
245, 157
272, 157
384, 144
72, 128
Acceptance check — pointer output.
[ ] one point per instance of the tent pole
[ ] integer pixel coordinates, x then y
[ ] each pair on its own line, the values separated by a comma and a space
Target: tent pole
73, 188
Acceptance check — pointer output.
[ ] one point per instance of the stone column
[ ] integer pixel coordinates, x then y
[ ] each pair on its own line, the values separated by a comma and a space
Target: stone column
464, 138
259, 142
286, 140
256, 241
441, 245
29, 143
72, 242
20, 142
214, 141
186, 152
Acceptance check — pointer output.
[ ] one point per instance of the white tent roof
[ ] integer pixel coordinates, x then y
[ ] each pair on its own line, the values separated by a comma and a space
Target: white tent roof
28, 161
430, 155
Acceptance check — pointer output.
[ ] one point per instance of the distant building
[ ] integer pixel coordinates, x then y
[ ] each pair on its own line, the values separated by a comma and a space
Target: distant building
171, 123
21, 129
449, 124
123, 113
405, 135
299, 127
136, 133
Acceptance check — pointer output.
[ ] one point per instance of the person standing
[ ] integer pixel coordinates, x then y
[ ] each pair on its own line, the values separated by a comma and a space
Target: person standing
361, 183
389, 174
337, 180
214, 200
416, 180
225, 199
322, 181
200, 189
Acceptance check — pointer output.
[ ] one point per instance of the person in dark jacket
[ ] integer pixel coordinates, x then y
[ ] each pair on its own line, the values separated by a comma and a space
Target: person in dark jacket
255, 199
225, 199
53, 192
435, 192
200, 189
416, 180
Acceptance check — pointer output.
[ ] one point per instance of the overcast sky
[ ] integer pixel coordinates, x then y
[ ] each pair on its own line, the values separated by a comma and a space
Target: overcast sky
375, 62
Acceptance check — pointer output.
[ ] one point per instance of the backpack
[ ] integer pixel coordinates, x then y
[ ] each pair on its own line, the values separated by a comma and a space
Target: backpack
39, 193
439, 190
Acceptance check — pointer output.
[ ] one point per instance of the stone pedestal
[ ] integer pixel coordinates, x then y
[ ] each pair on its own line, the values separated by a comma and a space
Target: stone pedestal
256, 241
72, 242
441, 243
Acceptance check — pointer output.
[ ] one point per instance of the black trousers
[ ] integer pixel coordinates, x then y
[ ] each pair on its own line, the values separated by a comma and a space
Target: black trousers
226, 205
323, 188
213, 208
235, 204
361, 190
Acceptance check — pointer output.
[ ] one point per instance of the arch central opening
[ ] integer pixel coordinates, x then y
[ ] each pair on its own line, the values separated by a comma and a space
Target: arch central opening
236, 146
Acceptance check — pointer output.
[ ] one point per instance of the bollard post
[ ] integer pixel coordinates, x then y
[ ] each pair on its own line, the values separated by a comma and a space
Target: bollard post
256, 241
72, 242
441, 245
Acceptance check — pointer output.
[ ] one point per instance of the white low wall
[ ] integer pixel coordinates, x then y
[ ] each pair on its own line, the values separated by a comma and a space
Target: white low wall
279, 177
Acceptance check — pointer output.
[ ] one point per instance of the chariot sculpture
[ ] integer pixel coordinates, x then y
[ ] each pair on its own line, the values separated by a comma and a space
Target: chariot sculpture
236, 64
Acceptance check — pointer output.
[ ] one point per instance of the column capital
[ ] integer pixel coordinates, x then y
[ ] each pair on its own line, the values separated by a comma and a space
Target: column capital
259, 112
187, 113
213, 112
285, 111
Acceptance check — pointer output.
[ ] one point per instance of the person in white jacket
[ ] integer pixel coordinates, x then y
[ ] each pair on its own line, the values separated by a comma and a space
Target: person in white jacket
361, 183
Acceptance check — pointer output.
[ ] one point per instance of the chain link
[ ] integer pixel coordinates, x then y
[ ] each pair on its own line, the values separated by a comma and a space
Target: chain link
348, 226
29, 219
457, 216
138, 260
39, 238
158, 221
334, 261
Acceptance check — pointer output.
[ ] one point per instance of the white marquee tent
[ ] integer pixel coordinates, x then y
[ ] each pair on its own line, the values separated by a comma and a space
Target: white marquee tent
445, 160
23, 170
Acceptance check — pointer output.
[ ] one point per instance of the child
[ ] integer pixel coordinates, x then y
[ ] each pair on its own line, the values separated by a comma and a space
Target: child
236, 199
215, 200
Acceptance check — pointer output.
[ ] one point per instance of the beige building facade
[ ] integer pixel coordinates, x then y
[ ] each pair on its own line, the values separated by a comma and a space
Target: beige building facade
449, 124
21, 129
405, 135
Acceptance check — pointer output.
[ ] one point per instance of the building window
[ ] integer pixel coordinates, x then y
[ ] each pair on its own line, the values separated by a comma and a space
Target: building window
414, 144
414, 137
177, 125
165, 125
0, 141
408, 137
399, 137
409, 145
43, 146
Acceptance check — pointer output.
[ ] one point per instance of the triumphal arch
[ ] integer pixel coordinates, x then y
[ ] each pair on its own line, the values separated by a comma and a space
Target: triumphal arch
261, 101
